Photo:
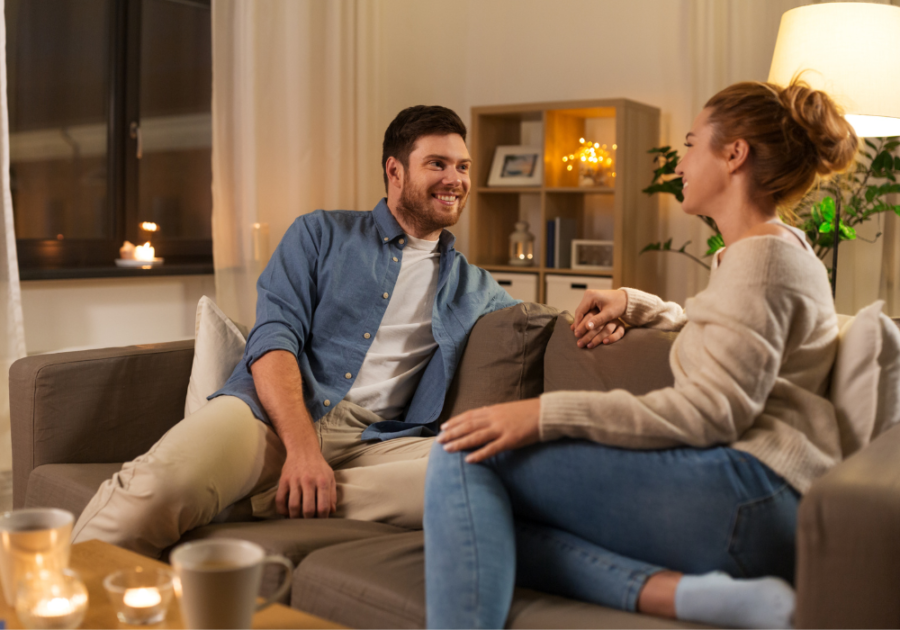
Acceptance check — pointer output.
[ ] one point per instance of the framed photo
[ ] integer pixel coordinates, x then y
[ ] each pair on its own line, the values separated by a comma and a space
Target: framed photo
517, 166
596, 255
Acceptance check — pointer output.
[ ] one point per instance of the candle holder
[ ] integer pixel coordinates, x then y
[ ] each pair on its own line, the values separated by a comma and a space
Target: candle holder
140, 596
51, 599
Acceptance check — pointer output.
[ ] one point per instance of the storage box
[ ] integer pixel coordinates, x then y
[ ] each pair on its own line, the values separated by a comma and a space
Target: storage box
520, 286
565, 292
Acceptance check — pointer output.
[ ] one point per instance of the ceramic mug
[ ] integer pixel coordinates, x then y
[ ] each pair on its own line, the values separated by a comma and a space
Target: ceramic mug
220, 581
32, 540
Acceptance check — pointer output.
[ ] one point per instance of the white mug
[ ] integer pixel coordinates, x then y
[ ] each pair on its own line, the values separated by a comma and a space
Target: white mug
220, 580
32, 540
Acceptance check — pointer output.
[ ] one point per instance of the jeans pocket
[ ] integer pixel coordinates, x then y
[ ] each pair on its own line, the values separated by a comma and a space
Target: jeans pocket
763, 538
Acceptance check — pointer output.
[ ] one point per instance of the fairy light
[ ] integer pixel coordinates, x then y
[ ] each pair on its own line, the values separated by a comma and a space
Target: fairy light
595, 159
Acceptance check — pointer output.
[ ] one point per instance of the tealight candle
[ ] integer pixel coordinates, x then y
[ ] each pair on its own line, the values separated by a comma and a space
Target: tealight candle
142, 597
144, 252
51, 599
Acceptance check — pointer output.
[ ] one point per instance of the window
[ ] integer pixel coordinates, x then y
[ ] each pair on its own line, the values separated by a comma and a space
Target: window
110, 126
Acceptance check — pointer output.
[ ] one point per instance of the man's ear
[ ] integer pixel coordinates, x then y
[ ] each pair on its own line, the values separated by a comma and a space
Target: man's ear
737, 154
395, 172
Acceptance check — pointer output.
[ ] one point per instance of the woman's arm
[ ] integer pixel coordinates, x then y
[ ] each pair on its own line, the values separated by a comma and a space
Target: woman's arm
725, 366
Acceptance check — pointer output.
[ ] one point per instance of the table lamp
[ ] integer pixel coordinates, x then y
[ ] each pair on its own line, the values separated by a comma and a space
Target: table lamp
848, 50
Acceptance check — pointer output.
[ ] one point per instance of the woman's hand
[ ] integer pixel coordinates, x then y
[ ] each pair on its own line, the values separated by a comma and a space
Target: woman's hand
497, 428
597, 318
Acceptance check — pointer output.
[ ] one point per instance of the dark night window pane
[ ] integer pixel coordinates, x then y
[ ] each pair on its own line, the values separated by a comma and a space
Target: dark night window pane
58, 65
175, 175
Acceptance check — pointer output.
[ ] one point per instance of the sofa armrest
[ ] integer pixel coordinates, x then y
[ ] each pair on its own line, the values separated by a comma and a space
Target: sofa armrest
848, 542
94, 406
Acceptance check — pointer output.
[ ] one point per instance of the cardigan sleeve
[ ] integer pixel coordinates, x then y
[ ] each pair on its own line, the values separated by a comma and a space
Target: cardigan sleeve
648, 311
724, 371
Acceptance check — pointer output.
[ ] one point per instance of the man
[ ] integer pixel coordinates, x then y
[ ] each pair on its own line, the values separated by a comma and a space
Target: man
361, 320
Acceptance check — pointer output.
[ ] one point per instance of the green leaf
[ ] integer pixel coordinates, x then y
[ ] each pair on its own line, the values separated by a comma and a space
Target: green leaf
893, 144
651, 247
871, 191
827, 208
896, 210
870, 144
714, 243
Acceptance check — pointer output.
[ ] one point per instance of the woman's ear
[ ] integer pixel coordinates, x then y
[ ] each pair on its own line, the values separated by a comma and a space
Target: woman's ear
737, 154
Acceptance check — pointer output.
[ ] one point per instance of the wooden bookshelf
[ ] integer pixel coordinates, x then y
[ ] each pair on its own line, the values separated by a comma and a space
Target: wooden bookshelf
620, 213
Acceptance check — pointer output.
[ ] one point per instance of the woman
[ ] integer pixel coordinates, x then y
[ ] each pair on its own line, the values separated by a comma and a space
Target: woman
677, 503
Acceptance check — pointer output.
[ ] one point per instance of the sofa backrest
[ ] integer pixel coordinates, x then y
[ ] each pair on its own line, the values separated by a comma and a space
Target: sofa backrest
503, 359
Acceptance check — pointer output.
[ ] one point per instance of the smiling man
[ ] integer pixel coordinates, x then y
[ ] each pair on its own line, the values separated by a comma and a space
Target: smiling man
360, 322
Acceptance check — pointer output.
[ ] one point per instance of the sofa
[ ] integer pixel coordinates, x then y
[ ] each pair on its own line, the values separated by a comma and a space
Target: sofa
77, 416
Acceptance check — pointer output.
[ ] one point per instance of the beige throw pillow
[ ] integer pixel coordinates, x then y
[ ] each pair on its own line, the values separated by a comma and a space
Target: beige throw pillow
865, 382
218, 348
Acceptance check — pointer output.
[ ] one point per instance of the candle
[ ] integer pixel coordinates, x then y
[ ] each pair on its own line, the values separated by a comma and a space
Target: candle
144, 252
142, 597
57, 612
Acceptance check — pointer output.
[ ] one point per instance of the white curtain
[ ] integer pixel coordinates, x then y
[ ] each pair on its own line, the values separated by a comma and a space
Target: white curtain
12, 343
292, 127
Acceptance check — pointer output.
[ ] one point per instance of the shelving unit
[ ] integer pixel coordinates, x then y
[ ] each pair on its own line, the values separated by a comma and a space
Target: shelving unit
622, 213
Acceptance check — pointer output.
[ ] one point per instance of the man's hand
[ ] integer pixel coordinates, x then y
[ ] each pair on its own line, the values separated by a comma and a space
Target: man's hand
498, 427
597, 318
307, 487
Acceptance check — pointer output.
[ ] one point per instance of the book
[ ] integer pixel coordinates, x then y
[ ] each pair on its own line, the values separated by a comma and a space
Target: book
551, 242
563, 235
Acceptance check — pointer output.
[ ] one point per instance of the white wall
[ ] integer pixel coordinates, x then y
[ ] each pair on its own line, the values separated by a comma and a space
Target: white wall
78, 314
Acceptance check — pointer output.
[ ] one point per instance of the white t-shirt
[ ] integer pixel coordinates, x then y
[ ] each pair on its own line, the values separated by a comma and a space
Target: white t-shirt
404, 343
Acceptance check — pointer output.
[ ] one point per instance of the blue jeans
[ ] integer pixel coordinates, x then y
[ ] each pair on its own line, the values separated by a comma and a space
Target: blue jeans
593, 523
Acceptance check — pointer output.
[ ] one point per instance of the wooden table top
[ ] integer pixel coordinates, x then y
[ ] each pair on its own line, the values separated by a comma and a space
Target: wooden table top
94, 560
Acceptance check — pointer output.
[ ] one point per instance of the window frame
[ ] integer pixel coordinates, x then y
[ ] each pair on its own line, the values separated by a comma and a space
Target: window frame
93, 258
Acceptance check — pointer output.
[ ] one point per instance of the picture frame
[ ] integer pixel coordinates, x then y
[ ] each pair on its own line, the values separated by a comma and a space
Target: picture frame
593, 255
517, 166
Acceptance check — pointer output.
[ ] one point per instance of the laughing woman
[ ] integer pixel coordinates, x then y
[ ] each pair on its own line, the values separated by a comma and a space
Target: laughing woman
682, 502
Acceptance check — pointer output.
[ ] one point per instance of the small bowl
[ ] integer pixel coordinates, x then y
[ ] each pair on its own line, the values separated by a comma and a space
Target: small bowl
51, 599
140, 596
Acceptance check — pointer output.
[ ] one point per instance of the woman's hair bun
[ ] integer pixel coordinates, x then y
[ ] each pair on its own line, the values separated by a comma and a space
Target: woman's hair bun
824, 124
795, 134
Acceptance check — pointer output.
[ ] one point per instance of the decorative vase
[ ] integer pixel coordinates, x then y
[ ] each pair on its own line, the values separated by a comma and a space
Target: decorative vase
521, 246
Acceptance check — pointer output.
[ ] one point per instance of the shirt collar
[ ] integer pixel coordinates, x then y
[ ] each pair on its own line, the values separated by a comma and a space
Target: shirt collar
389, 229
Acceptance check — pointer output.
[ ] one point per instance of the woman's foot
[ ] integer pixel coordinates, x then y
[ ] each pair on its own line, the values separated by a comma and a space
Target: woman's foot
720, 600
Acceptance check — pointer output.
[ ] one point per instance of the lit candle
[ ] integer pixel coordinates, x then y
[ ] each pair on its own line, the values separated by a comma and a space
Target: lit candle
142, 597
144, 252
57, 612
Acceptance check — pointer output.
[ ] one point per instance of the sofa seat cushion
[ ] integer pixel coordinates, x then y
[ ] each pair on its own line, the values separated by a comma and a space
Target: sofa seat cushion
380, 583
292, 538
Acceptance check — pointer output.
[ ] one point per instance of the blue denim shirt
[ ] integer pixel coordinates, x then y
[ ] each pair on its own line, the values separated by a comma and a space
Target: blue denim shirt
322, 298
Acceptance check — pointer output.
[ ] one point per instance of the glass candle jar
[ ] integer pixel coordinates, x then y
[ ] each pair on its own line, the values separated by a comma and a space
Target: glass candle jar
521, 246
51, 599
140, 596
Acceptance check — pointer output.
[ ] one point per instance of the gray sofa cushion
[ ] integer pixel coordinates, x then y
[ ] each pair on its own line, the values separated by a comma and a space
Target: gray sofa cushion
380, 583
639, 362
503, 359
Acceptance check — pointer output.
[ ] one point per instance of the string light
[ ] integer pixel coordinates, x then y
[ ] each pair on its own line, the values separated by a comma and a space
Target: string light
595, 160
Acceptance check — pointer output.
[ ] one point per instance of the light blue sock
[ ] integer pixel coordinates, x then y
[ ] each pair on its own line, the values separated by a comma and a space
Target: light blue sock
718, 599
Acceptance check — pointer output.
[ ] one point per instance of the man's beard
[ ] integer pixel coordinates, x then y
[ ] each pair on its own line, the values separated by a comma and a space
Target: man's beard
417, 209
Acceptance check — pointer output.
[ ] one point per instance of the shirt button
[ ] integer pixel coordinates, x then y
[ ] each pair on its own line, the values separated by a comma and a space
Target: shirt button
395, 259
366, 336
327, 403
385, 239
384, 295
401, 241
348, 375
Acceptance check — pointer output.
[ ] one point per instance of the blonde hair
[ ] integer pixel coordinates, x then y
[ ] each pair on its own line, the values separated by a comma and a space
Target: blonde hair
796, 135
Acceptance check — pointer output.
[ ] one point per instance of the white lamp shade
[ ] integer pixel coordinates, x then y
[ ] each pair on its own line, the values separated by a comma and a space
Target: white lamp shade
848, 50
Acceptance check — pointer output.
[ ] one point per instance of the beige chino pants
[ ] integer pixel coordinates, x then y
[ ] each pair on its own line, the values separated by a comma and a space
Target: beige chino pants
222, 454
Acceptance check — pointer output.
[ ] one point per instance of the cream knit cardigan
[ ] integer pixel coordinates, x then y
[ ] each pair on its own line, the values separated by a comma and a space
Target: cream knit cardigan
751, 366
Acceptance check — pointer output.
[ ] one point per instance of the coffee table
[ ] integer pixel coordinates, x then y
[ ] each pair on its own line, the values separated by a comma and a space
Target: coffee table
94, 560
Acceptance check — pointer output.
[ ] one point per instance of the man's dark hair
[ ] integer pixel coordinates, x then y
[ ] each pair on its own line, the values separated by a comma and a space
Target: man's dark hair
413, 123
